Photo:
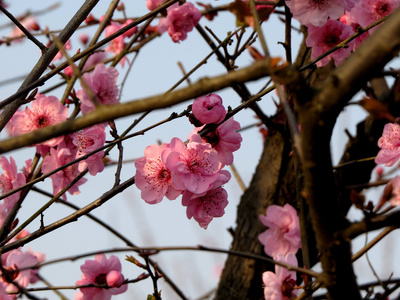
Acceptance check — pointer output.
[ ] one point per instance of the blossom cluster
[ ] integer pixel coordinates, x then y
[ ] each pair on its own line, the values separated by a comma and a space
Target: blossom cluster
193, 169
57, 152
389, 154
331, 22
281, 241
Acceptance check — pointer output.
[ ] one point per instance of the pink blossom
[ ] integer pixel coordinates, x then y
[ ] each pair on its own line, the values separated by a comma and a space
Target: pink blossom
179, 21
194, 167
395, 199
14, 260
44, 111
321, 39
209, 109
131, 31
389, 143
63, 178
153, 177
367, 12
279, 285
283, 234
84, 38
153, 4
315, 12
103, 84
9, 180
225, 140
101, 271
86, 141
206, 207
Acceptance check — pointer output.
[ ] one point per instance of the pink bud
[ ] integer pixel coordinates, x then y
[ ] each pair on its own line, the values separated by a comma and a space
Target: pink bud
115, 278
209, 109
84, 38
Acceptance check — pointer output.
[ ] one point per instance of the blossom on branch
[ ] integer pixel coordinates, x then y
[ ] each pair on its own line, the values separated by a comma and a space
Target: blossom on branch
44, 111
322, 39
279, 285
9, 180
153, 177
389, 143
283, 234
180, 20
101, 271
366, 12
209, 109
203, 208
103, 84
316, 12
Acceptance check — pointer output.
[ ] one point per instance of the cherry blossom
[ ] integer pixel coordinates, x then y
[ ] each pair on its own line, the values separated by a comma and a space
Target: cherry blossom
224, 139
321, 39
367, 12
44, 111
86, 141
9, 180
14, 260
3, 293
348, 19
179, 21
395, 186
279, 285
283, 234
209, 109
103, 84
315, 12
101, 271
118, 44
194, 167
206, 207
153, 177
57, 158
389, 143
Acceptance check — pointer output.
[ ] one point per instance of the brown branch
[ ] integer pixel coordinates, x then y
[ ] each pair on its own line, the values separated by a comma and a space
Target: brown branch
46, 59
111, 112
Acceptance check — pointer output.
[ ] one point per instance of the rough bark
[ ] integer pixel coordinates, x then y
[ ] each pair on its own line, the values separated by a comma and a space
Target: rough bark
241, 277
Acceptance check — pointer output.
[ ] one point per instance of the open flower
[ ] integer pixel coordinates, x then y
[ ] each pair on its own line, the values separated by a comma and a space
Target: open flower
389, 143
153, 177
283, 234
44, 111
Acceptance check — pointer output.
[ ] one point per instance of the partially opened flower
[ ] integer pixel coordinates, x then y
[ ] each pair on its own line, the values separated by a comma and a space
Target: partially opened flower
101, 271
9, 180
209, 109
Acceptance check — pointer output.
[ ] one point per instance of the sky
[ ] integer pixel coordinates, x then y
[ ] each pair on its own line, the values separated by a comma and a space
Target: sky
154, 71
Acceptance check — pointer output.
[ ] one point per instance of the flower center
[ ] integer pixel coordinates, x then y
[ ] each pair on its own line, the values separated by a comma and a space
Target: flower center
101, 279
